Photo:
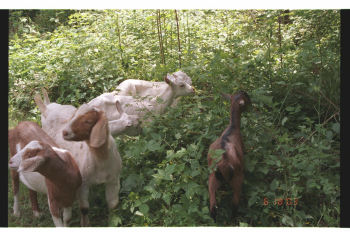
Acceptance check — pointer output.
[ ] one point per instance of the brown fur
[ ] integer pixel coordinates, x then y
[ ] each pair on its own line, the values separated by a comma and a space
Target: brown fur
230, 168
62, 177
92, 127
83, 125
22, 134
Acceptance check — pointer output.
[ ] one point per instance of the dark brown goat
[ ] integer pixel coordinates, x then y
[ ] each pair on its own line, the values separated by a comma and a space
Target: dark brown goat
230, 168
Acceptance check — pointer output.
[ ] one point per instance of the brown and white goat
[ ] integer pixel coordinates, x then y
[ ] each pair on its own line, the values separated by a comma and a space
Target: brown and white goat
230, 168
102, 163
43, 167
18, 137
85, 132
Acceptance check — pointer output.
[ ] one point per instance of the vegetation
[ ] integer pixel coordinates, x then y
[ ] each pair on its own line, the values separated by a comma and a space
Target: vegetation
287, 61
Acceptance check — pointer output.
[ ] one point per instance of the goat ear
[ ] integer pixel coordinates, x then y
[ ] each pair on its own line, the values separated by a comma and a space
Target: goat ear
46, 96
169, 79
226, 96
98, 135
40, 104
119, 107
31, 164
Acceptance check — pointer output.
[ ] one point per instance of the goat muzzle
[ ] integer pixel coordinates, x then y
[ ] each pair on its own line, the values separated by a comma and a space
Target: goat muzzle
64, 133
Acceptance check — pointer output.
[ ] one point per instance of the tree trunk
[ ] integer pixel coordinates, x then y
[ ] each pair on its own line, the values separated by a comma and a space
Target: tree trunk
178, 37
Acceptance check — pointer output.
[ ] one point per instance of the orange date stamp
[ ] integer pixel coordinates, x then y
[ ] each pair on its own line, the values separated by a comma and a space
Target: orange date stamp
282, 201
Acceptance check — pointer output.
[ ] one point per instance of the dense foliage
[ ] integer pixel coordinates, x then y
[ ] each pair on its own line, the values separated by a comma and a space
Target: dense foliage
287, 61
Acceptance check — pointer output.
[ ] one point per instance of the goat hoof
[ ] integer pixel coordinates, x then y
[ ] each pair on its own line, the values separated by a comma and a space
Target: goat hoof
84, 222
234, 211
36, 213
213, 213
17, 213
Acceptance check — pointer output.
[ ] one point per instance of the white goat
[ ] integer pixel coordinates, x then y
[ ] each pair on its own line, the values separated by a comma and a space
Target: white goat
146, 96
96, 155
45, 168
133, 87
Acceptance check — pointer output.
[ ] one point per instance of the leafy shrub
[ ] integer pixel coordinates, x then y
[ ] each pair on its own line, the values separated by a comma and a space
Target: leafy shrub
290, 68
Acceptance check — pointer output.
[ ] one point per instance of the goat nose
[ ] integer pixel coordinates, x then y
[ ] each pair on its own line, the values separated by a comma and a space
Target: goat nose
64, 133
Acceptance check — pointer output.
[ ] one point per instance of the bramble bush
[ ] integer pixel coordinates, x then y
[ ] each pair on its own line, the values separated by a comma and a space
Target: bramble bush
288, 62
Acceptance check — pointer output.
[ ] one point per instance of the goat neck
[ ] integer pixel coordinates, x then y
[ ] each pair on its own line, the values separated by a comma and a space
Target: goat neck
167, 95
100, 152
58, 172
235, 117
232, 132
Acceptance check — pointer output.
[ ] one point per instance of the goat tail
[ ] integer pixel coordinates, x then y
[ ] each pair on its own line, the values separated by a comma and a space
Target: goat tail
39, 102
230, 168
225, 171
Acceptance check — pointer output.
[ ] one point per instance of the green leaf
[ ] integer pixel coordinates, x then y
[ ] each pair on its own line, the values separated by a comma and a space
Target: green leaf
177, 135
289, 108
216, 154
286, 220
144, 208
284, 120
336, 127
115, 221
166, 197
264, 169
267, 100
252, 200
243, 224
274, 185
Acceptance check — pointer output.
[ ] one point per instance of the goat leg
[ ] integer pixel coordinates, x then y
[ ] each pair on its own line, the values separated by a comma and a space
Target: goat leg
83, 195
15, 188
236, 185
34, 200
214, 184
67, 216
112, 193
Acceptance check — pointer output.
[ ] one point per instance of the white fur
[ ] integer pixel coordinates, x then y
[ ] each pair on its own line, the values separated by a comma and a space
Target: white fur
16, 160
33, 180
18, 147
16, 211
32, 145
118, 122
67, 215
138, 97
133, 87
56, 220
56, 149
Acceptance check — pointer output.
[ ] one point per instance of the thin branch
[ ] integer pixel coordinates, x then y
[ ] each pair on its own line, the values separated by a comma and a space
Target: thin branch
120, 43
159, 36
178, 36
336, 107
316, 130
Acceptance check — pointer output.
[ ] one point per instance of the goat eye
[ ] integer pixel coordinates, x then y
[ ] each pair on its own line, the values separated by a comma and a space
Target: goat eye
182, 85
